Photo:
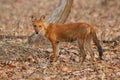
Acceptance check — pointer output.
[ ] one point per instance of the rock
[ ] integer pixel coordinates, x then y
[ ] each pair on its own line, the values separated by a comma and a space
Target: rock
49, 50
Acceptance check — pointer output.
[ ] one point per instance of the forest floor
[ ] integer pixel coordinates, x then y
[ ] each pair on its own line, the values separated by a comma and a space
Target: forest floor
21, 61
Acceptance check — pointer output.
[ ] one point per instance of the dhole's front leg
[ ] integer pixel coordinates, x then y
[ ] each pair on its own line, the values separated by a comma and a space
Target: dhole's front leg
53, 41
54, 55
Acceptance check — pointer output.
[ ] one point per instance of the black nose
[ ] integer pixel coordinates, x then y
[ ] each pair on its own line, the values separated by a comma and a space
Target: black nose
36, 32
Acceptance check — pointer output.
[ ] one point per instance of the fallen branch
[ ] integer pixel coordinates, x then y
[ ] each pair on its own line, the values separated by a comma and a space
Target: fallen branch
12, 37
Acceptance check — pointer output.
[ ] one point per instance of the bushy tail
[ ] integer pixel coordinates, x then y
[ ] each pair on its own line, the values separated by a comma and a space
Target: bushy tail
97, 43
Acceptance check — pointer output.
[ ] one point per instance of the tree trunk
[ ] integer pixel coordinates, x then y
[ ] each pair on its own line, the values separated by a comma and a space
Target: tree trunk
59, 15
61, 12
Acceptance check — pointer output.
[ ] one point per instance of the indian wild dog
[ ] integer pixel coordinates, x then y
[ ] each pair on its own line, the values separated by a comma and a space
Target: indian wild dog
82, 32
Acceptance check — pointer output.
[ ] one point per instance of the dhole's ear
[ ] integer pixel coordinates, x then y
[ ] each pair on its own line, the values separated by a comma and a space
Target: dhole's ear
42, 17
33, 17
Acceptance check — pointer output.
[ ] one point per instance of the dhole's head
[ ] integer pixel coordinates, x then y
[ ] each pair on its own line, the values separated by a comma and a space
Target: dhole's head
39, 25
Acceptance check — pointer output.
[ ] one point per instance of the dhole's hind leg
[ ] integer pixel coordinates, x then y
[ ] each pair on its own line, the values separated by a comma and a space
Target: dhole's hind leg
90, 50
82, 50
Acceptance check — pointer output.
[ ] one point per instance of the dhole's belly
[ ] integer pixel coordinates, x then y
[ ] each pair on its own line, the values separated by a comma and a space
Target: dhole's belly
66, 38
67, 34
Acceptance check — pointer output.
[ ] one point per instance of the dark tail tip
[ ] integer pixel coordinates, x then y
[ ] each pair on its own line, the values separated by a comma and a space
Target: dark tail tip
100, 52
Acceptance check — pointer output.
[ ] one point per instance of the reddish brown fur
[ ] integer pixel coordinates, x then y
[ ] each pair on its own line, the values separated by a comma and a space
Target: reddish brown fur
82, 32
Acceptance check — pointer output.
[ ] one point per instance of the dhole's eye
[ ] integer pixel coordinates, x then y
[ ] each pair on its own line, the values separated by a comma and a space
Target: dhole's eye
34, 25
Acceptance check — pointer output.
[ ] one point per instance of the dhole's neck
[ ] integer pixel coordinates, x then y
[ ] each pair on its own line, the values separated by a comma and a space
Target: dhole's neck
46, 24
45, 28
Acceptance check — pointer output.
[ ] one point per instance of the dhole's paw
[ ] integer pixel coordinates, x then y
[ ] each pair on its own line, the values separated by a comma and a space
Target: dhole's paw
53, 58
